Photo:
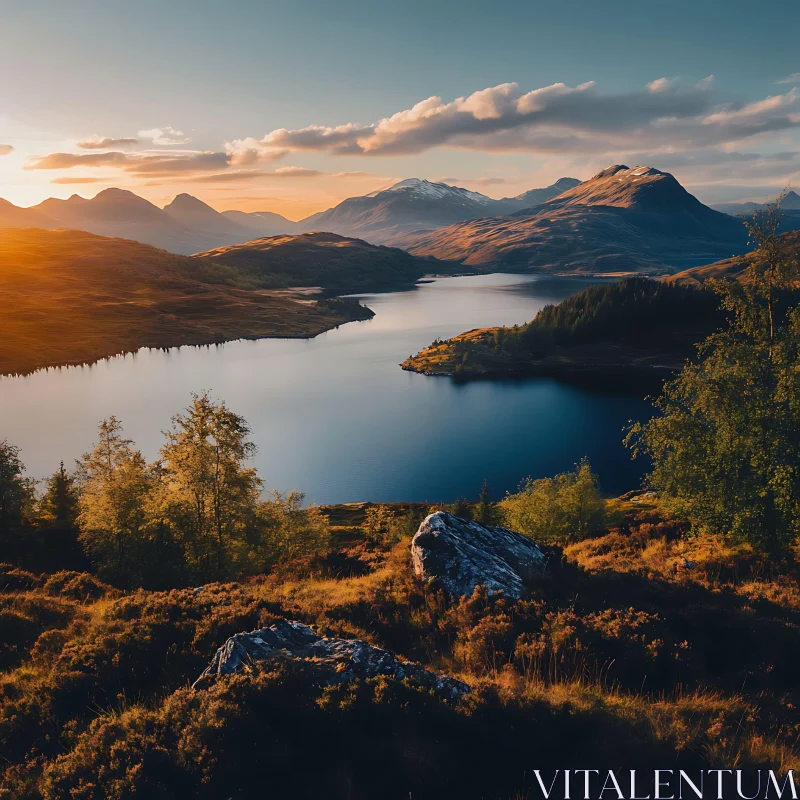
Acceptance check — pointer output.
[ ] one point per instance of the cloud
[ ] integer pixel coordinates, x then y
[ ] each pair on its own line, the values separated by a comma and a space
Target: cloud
164, 137
70, 180
793, 78
296, 172
104, 143
282, 173
6, 149
138, 164
70, 160
661, 85
552, 119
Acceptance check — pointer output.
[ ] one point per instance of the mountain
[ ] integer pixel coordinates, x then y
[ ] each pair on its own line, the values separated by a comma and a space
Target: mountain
120, 213
534, 197
73, 297
196, 215
186, 225
12, 216
790, 202
621, 220
320, 259
264, 223
415, 205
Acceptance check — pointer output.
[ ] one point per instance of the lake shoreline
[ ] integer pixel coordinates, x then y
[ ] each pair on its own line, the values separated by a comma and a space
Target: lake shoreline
19, 366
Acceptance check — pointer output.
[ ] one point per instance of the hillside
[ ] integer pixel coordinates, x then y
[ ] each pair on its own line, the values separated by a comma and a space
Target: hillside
734, 268
320, 259
419, 205
71, 297
621, 220
634, 328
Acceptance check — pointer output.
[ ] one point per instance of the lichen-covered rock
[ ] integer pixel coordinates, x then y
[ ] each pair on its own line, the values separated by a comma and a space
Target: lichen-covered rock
458, 555
339, 659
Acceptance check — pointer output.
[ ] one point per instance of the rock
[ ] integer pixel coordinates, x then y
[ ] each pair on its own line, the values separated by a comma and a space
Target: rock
344, 659
458, 556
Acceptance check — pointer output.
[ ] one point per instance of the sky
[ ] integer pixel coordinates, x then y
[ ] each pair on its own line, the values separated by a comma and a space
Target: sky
292, 106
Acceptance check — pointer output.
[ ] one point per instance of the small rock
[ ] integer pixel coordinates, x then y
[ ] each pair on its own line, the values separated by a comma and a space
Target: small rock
458, 555
343, 659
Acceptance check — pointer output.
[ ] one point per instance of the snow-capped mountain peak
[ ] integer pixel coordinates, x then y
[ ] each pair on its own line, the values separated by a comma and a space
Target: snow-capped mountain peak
419, 187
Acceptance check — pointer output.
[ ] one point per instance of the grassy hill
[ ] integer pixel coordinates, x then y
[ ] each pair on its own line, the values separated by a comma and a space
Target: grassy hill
71, 297
636, 326
320, 259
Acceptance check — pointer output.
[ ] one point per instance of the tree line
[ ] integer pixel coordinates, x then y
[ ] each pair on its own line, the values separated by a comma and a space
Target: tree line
196, 514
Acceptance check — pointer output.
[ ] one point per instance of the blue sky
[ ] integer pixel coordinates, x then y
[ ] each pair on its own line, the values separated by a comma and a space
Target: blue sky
228, 76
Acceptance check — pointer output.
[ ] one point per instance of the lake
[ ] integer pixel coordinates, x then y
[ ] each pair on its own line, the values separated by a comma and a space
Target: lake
336, 417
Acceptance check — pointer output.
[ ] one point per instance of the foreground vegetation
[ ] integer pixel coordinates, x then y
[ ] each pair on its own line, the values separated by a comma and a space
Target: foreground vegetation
71, 297
634, 327
668, 649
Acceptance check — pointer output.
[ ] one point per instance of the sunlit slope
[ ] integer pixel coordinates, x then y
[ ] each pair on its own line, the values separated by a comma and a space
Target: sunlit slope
72, 297
621, 220
730, 268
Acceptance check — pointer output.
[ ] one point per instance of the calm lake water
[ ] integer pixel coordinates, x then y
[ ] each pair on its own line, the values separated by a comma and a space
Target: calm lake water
336, 417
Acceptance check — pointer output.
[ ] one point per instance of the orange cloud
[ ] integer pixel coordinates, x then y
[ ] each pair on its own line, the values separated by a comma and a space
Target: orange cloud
98, 143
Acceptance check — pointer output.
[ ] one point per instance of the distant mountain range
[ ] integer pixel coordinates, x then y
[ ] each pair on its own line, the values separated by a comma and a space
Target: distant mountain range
184, 226
188, 225
415, 205
790, 202
621, 220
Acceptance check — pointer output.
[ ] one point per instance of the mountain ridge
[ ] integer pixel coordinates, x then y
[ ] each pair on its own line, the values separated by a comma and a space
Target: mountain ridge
416, 204
621, 220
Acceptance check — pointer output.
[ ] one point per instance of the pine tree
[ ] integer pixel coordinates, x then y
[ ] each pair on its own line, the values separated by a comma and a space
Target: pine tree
59, 506
16, 492
485, 511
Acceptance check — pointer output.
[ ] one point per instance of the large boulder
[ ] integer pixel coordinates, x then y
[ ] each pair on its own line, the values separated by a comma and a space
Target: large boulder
338, 660
458, 555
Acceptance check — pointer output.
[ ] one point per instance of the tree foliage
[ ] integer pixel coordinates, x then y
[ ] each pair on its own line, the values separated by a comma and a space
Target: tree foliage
16, 491
208, 488
115, 487
557, 510
59, 505
293, 530
724, 444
